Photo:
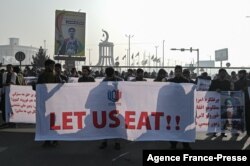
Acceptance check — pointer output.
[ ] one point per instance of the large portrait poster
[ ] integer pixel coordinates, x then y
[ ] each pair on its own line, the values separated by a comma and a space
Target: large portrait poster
70, 33
232, 111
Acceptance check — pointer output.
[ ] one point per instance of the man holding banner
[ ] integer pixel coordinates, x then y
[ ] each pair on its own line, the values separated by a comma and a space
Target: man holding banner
48, 76
8, 78
178, 79
110, 76
220, 84
86, 75
242, 85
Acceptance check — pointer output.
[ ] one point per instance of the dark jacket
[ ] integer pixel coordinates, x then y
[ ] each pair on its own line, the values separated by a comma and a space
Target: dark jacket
178, 80
113, 78
86, 79
222, 85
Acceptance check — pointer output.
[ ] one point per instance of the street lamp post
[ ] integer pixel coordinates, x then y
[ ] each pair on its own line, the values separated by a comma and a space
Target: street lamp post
156, 55
126, 58
163, 53
190, 49
89, 56
129, 36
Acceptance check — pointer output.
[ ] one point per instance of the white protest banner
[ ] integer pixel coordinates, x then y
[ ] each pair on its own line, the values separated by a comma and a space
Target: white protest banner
20, 104
203, 84
208, 111
130, 78
73, 80
30, 80
129, 110
99, 79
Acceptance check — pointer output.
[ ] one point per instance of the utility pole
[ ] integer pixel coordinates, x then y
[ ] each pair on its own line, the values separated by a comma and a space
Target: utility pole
89, 54
126, 58
156, 54
44, 44
163, 52
129, 36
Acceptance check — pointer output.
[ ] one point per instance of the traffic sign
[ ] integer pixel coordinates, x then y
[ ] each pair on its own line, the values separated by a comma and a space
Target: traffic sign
228, 64
20, 56
221, 55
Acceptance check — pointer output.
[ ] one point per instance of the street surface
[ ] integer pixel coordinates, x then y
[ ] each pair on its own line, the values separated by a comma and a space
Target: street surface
17, 147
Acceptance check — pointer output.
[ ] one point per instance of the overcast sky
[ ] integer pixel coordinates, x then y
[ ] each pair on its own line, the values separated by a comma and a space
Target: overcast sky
205, 24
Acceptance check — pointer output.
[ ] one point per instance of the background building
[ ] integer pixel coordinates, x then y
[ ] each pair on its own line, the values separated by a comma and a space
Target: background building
7, 52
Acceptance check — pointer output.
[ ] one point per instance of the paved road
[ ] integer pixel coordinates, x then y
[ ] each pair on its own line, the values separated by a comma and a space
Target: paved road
17, 147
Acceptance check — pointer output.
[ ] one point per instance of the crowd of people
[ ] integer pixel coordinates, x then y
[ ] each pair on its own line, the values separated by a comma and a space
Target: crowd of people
53, 74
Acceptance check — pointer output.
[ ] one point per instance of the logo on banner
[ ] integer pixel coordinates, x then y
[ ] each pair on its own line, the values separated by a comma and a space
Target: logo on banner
114, 95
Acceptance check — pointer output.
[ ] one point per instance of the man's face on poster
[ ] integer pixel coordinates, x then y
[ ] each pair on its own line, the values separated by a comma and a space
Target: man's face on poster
72, 32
